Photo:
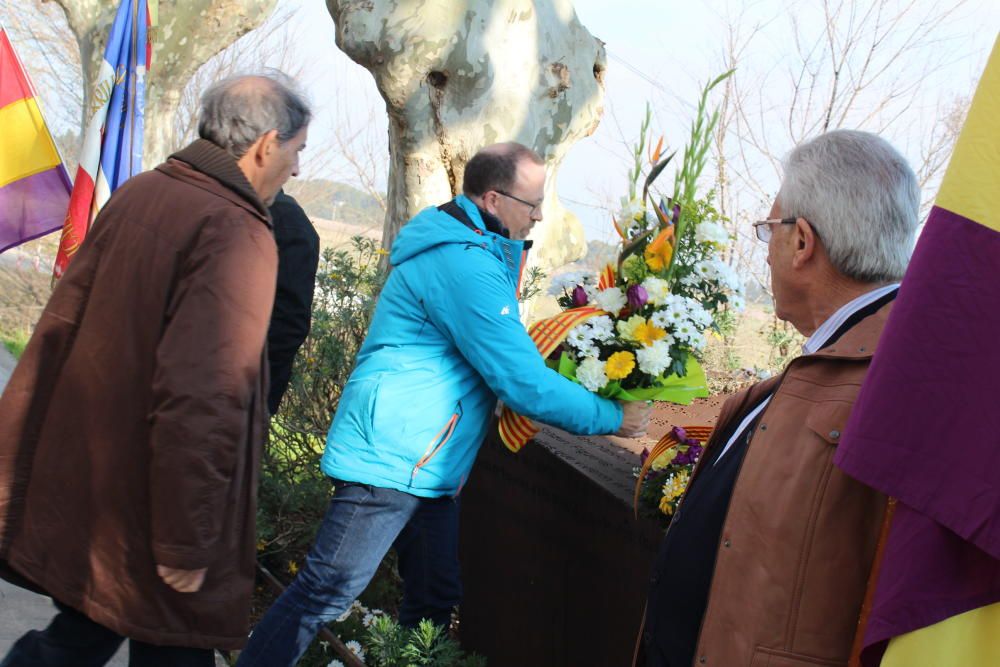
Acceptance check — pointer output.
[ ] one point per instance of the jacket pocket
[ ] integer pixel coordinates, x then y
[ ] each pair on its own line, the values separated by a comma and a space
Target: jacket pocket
769, 657
827, 420
438, 442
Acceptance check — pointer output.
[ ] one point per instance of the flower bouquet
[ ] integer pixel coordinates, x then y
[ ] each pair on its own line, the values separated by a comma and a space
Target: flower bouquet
635, 332
665, 472
652, 310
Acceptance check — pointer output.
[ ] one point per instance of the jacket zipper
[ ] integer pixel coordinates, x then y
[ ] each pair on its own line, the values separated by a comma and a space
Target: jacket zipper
437, 442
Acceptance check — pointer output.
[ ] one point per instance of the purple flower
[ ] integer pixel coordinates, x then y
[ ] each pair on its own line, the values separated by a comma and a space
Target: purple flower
580, 297
637, 297
679, 433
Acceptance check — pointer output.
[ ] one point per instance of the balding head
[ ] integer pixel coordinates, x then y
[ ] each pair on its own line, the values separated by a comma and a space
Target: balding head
495, 168
508, 181
237, 111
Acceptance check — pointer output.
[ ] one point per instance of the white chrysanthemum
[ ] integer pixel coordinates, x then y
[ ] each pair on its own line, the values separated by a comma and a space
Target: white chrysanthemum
675, 310
580, 336
354, 647
737, 303
660, 318
691, 280
710, 232
727, 276
610, 300
591, 373
566, 282
335, 663
346, 615
705, 269
602, 328
368, 619
657, 289
697, 314
655, 358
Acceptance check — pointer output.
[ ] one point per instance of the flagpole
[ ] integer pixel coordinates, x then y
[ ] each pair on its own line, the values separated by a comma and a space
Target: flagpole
133, 57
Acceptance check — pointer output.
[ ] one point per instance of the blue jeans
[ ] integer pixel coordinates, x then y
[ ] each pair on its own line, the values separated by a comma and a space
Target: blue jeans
358, 529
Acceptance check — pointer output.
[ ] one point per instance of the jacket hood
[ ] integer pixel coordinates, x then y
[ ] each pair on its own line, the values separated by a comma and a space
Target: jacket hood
433, 227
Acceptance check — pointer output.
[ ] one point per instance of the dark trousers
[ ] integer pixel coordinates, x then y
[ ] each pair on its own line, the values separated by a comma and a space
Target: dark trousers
73, 640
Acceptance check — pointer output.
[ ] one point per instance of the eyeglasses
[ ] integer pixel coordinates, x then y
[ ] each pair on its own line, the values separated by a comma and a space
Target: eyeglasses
763, 227
534, 207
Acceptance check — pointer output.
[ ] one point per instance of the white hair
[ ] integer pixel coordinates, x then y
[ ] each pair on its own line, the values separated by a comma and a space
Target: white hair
860, 196
236, 111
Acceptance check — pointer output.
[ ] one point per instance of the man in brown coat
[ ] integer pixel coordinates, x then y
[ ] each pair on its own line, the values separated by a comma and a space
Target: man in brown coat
130, 432
767, 559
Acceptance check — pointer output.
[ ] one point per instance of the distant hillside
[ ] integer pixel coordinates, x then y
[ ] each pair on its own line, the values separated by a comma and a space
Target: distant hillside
330, 200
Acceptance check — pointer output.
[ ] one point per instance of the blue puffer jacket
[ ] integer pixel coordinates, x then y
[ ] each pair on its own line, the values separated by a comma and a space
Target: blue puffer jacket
444, 343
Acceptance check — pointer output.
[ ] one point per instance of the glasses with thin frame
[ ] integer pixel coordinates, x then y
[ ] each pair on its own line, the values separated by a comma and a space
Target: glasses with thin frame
763, 227
534, 207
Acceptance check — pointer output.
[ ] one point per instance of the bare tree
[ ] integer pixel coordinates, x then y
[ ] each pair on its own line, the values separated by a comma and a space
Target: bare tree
459, 75
189, 32
853, 63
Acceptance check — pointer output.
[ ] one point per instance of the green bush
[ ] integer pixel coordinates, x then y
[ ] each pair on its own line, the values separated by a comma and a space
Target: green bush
294, 493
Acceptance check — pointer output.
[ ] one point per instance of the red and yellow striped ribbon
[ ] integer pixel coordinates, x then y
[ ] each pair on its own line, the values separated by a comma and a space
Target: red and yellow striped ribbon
607, 278
548, 334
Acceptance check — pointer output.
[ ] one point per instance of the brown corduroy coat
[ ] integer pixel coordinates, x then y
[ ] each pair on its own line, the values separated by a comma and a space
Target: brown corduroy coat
131, 429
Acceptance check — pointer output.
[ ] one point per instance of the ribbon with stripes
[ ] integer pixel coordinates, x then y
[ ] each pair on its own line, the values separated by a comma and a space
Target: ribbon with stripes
548, 334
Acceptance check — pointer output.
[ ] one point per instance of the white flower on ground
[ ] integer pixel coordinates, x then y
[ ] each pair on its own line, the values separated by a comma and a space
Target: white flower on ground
710, 232
657, 289
610, 300
655, 358
355, 648
591, 373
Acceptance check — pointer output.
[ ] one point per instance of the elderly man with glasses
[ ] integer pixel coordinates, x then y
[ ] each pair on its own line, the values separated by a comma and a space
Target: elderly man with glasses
767, 559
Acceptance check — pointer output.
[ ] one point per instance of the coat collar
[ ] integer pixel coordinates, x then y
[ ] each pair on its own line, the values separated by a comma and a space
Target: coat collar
209, 159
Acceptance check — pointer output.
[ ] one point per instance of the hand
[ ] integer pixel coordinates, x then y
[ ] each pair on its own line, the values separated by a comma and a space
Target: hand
635, 419
182, 581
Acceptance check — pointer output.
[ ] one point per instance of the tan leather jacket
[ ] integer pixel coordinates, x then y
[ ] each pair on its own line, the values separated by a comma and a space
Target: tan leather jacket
800, 536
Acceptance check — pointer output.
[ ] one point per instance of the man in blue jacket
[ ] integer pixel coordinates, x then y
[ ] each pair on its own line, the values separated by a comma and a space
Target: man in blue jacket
445, 342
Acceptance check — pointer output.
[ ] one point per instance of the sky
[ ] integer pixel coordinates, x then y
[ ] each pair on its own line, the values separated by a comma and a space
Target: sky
661, 52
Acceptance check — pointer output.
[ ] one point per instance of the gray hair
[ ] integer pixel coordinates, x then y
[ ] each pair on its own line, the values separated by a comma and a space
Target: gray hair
860, 196
236, 111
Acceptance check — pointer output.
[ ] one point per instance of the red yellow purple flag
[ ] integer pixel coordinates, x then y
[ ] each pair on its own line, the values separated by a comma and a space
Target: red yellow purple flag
34, 185
926, 428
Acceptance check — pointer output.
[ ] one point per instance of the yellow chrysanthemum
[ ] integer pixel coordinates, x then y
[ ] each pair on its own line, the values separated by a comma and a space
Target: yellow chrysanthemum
672, 490
619, 365
293, 567
648, 333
